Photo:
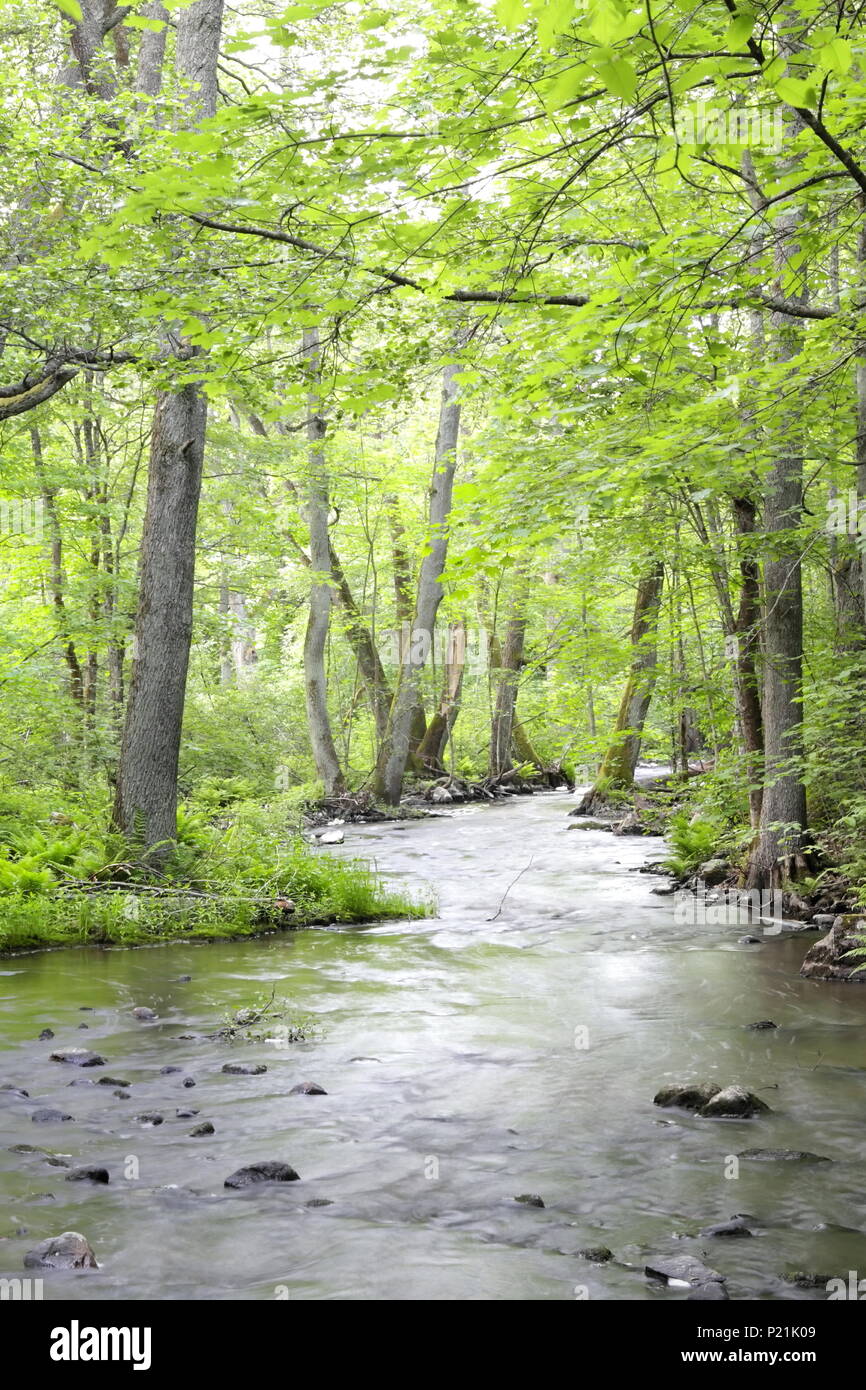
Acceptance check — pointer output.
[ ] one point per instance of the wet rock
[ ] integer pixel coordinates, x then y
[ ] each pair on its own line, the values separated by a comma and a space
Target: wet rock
121, 1094
204, 1128
762, 1025
186, 1114
666, 890
733, 1101
54, 1161
71, 1250
15, 1090
46, 1035
828, 959
144, 1014
188, 1081
748, 941
441, 795
183, 979
40, 1198
588, 823
308, 1088
732, 1229
530, 1199
81, 1081
150, 1117
88, 1172
84, 1025
26, 1149
782, 1156
46, 1116
169, 1071
681, 1270
596, 1254
332, 837
629, 825
823, 919
78, 1057
113, 1081
714, 871
690, 1095
708, 1293
319, 1202
268, 1171
244, 1068
803, 1279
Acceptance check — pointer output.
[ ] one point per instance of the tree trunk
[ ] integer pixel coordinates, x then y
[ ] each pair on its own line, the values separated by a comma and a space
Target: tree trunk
145, 807
616, 773
777, 853
58, 578
315, 680
431, 749
360, 639
395, 750
502, 725
746, 630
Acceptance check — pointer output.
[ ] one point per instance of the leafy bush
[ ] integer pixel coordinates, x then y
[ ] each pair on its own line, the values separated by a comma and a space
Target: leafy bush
692, 842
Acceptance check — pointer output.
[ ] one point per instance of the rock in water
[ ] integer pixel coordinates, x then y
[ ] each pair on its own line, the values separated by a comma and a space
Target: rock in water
714, 871
629, 825
78, 1057
828, 959
441, 795
782, 1156
307, 1088
708, 1293
682, 1270
762, 1026
733, 1101
71, 1250
332, 837
200, 1130
732, 1229
113, 1081
49, 1117
244, 1068
690, 1095
144, 1014
88, 1172
151, 1117
261, 1172
530, 1199
46, 1035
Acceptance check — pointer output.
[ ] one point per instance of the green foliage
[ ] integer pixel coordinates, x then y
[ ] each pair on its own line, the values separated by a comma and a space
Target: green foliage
692, 842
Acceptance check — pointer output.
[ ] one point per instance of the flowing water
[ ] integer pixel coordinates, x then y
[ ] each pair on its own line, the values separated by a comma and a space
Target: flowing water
511, 1045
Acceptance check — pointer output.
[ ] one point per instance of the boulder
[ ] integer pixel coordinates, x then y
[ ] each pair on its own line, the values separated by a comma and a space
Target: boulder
46, 1116
629, 825
268, 1171
244, 1068
828, 959
596, 1254
143, 1013
762, 1025
112, 1081
332, 837
692, 1095
46, 1035
708, 1293
529, 1199
199, 1130
78, 1057
307, 1088
441, 795
150, 1117
714, 871
733, 1101
186, 1113
71, 1250
169, 1071
88, 1172
681, 1269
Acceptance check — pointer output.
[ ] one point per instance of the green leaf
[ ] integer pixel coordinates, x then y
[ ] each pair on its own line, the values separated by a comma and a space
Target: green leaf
796, 92
619, 77
836, 56
70, 7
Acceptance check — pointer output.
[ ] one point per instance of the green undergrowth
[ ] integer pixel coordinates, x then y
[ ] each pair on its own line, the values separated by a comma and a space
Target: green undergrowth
238, 868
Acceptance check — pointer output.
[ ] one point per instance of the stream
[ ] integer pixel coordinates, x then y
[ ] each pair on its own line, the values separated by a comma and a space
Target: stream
511, 1045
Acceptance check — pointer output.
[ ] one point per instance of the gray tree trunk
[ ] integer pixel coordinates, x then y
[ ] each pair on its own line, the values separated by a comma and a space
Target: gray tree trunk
395, 749
315, 680
145, 807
